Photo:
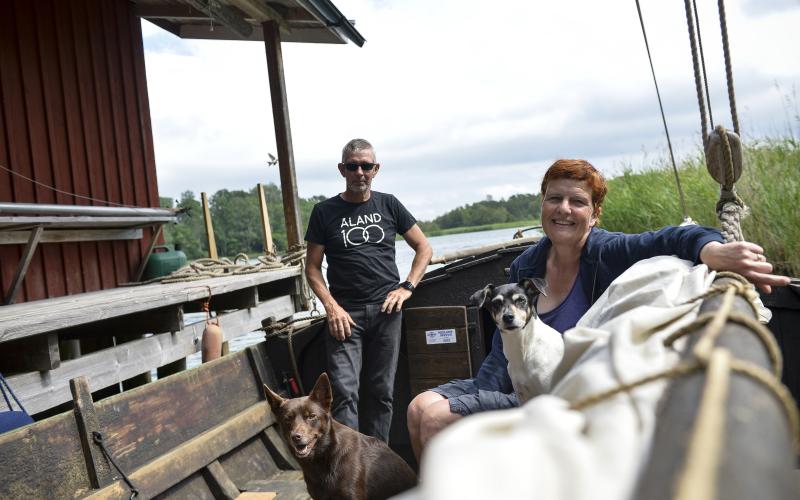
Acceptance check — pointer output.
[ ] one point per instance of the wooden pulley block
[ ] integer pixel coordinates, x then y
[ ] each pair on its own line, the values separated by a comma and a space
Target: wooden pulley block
717, 158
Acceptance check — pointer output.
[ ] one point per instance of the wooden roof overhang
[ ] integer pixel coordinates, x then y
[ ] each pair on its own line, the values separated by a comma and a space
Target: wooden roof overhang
305, 21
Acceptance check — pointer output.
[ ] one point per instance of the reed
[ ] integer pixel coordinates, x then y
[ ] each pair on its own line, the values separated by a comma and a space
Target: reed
770, 187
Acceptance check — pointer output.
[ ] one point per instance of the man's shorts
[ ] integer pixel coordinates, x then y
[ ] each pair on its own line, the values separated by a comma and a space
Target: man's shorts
465, 398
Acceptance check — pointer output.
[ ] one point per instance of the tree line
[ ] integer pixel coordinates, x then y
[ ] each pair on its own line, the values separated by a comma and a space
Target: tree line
236, 219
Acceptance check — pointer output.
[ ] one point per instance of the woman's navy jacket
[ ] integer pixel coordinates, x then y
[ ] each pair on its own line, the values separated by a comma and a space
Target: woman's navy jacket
605, 256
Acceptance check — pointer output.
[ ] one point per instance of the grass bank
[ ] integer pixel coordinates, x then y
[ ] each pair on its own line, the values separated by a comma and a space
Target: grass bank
769, 186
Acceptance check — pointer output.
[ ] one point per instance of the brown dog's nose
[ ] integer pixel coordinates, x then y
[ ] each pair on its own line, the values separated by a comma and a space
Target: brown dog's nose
297, 437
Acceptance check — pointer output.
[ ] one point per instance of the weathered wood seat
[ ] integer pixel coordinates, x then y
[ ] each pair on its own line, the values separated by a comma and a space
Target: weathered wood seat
203, 433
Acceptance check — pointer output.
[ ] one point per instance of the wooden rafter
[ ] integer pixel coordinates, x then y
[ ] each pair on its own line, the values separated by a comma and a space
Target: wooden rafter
223, 15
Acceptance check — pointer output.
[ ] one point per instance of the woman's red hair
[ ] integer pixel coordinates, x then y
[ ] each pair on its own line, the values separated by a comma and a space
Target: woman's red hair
579, 170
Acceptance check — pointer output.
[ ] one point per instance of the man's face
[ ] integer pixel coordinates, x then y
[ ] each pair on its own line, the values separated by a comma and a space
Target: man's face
359, 181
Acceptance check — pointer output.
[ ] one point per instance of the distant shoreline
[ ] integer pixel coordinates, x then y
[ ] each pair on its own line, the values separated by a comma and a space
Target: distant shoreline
483, 227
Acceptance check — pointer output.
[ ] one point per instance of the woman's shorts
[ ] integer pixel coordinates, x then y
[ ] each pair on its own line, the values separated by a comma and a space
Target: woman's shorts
465, 398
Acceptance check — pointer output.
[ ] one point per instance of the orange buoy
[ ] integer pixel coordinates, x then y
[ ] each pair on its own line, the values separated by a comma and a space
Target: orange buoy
212, 342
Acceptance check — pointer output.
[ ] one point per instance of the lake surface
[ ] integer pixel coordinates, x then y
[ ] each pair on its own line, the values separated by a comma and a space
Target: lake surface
441, 245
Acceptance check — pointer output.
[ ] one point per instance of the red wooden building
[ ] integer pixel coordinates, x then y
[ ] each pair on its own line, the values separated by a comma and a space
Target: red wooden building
75, 128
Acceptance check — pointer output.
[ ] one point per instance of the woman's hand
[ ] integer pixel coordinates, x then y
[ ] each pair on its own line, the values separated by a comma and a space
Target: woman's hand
744, 258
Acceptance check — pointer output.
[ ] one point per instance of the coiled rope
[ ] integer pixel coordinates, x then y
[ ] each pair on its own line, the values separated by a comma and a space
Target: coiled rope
241, 264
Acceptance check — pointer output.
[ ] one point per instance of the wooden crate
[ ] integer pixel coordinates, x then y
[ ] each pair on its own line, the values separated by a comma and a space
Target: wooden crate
437, 342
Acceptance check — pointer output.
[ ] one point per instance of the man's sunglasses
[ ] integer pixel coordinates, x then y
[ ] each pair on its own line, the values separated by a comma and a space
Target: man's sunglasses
366, 167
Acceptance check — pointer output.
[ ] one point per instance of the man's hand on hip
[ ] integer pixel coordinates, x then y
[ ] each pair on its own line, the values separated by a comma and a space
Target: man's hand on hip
394, 300
339, 321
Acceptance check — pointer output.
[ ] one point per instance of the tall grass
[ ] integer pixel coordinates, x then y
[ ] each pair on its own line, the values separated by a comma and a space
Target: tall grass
769, 186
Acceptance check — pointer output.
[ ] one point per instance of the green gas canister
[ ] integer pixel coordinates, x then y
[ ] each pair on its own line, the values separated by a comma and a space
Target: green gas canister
164, 260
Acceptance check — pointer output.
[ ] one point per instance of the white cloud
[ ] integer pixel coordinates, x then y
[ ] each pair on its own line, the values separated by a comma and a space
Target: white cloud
462, 100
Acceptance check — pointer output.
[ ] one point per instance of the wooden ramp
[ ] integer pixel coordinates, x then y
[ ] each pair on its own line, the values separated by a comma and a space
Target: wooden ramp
203, 433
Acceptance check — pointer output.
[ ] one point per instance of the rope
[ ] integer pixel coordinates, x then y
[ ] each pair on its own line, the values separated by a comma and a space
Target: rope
216, 268
696, 66
723, 25
703, 63
703, 353
686, 217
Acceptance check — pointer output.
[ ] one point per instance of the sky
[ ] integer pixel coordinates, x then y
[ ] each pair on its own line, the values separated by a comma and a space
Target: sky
465, 99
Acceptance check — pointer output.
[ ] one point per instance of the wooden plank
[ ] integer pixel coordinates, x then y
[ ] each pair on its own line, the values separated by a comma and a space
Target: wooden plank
40, 353
249, 461
238, 299
63, 236
22, 267
97, 465
137, 276
23, 320
283, 132
266, 230
109, 366
167, 469
212, 243
438, 365
161, 320
44, 460
218, 481
419, 318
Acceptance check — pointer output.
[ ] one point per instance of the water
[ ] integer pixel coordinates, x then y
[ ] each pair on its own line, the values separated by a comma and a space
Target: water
405, 255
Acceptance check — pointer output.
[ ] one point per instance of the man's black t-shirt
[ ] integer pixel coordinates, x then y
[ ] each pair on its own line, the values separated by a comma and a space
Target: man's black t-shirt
359, 245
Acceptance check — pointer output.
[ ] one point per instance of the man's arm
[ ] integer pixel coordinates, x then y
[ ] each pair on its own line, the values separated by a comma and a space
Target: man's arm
422, 256
339, 320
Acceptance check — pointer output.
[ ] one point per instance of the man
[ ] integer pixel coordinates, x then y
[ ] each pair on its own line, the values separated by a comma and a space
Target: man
355, 231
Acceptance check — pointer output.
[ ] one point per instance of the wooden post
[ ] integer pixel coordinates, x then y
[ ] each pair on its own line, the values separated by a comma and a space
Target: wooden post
97, 466
283, 133
262, 200
22, 268
212, 243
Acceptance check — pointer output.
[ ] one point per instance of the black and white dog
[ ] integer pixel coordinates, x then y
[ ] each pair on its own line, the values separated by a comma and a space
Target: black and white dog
532, 348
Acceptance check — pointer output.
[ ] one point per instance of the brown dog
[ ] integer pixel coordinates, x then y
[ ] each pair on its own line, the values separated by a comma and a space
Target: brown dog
337, 462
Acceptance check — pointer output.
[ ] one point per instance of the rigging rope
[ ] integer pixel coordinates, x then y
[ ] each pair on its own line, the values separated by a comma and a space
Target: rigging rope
686, 218
703, 63
696, 66
723, 25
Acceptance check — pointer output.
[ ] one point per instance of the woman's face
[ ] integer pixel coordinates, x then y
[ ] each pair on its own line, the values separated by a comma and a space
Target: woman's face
567, 212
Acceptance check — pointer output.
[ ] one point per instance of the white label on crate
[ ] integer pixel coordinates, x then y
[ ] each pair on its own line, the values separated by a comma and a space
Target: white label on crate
447, 336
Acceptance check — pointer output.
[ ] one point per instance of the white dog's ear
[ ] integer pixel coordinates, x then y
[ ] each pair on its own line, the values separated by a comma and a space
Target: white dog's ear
480, 297
534, 286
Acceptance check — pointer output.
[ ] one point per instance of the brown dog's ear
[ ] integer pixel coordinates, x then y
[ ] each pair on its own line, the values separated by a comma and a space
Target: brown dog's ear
534, 286
322, 393
479, 298
275, 400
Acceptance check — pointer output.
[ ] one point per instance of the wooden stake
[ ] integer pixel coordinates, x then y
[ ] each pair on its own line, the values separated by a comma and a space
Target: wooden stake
262, 200
212, 243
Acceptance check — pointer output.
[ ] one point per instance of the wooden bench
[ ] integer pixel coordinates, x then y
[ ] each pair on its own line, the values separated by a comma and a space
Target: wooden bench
202, 433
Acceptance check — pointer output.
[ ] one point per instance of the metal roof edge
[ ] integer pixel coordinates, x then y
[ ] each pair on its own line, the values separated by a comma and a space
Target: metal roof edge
333, 17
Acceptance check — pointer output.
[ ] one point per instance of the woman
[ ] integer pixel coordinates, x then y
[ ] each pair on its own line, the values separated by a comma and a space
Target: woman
578, 261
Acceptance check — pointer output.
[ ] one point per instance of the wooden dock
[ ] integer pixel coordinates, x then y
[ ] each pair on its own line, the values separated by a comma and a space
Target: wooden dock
113, 335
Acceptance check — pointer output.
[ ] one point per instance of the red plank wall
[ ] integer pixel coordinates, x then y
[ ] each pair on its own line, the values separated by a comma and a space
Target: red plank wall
74, 115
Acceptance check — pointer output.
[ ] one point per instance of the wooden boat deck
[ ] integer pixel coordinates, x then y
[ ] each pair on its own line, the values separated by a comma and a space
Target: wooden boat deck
203, 433
138, 329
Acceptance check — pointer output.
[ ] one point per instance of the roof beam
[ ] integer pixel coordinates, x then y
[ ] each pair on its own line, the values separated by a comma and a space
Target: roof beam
224, 15
172, 11
261, 12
